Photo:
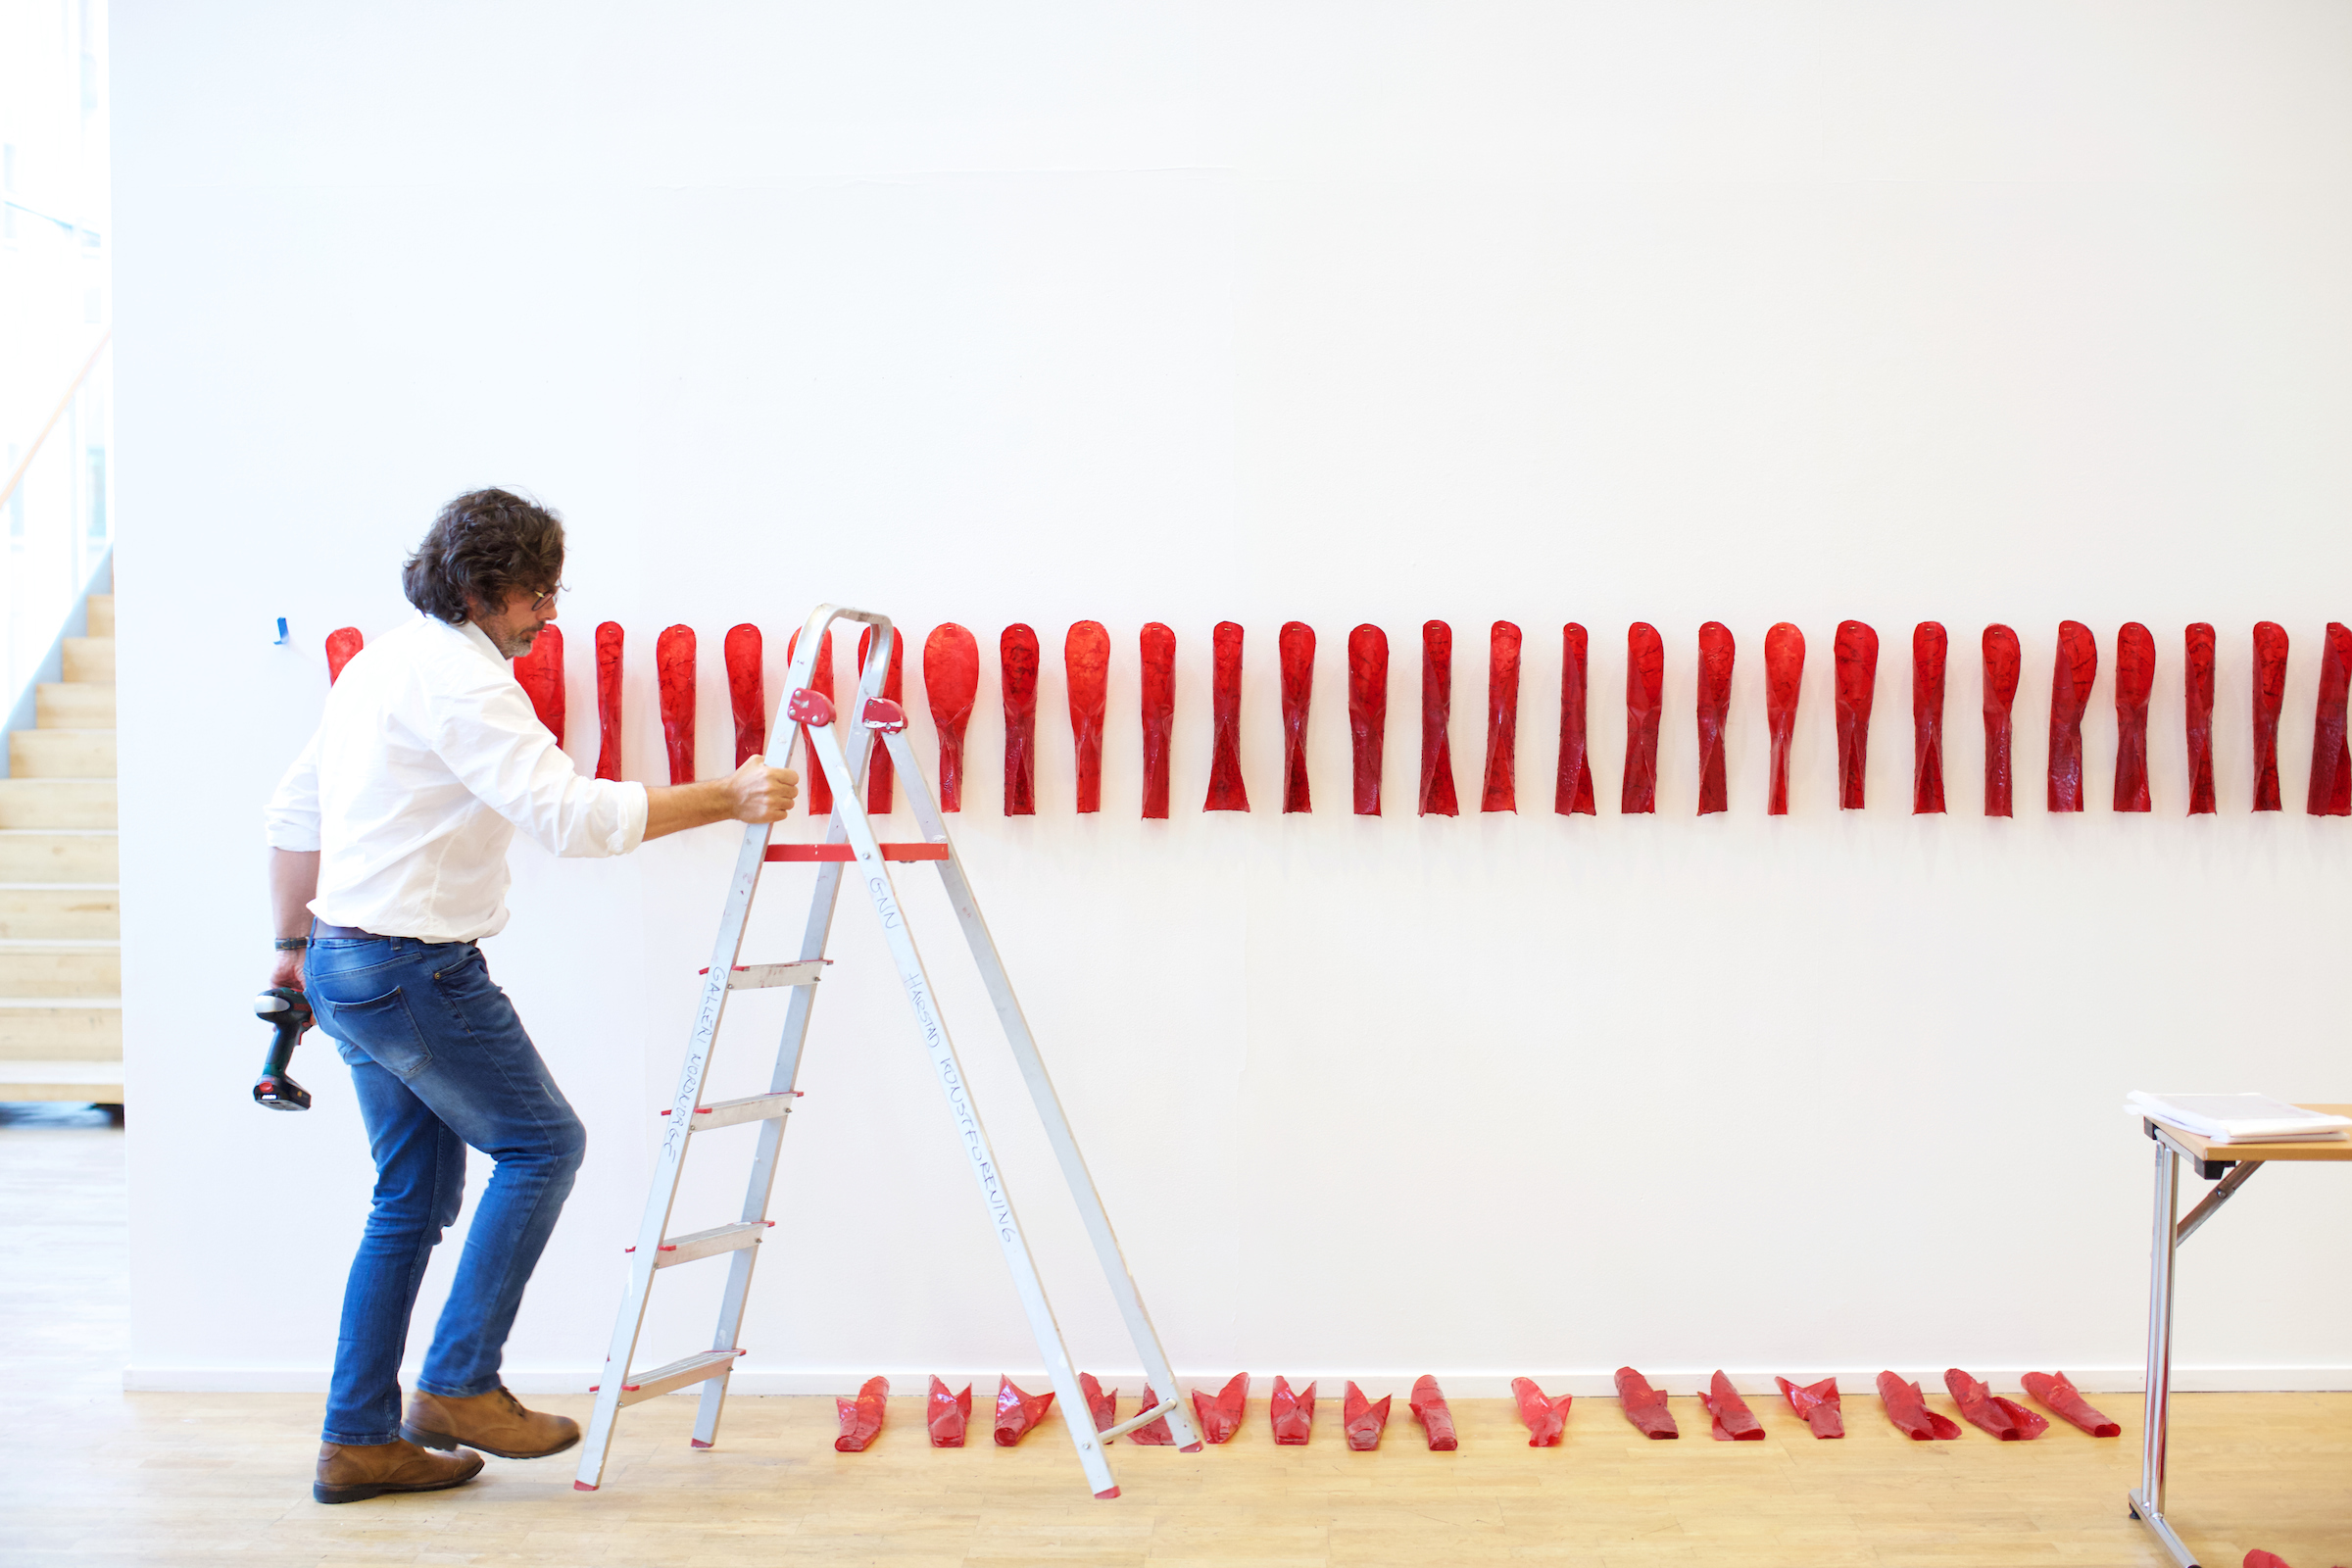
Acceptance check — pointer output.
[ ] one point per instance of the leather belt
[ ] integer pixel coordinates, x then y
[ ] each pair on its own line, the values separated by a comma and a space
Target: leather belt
343, 933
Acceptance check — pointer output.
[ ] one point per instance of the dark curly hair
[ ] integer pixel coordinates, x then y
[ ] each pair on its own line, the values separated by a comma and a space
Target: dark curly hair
484, 545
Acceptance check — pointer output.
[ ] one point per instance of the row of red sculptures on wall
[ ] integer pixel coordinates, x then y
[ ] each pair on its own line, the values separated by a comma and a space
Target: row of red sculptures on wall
951, 679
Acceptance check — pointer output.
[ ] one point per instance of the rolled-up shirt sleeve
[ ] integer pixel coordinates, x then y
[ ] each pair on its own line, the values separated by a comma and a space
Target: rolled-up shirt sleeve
291, 822
495, 744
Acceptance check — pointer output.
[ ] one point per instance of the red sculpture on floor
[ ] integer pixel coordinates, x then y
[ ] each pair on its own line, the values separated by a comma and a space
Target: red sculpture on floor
607, 700
2135, 679
821, 681
2200, 641
1362, 1421
1501, 790
2004, 1418
1086, 662
1429, 1407
673, 672
1644, 688
1817, 1403
341, 644
540, 672
1225, 789
1644, 1407
1437, 796
2077, 667
1297, 646
862, 1418
948, 1414
1783, 683
879, 770
1733, 1420
2270, 694
747, 690
2058, 1392
1715, 656
2002, 662
1102, 1408
1159, 715
1572, 785
1928, 649
1368, 711
1017, 1412
1544, 1417
1857, 664
2331, 757
1220, 1414
1292, 1412
951, 682
1016, 652
1155, 1434
1908, 1410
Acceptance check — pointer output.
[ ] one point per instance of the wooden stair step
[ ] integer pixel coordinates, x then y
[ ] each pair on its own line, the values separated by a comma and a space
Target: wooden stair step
34, 854
60, 914
32, 969
90, 659
95, 1083
57, 803
61, 754
74, 705
60, 1029
102, 615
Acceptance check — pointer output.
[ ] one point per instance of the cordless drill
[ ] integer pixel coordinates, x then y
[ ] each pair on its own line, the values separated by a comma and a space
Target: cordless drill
289, 1014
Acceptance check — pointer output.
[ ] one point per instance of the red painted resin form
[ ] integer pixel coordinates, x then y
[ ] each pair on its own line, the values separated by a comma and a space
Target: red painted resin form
1857, 659
862, 1418
1159, 715
1817, 1404
1500, 791
540, 674
948, 1416
1362, 1420
1644, 687
2331, 757
2005, 1420
2078, 666
2003, 661
341, 644
1297, 648
1732, 1420
951, 681
2270, 695
673, 672
879, 770
1437, 798
1572, 783
1226, 792
1017, 1412
1368, 711
1716, 653
2197, 682
1435, 1416
1908, 1410
1086, 664
2135, 679
1929, 646
1644, 1407
1219, 1415
2057, 1390
1544, 1416
607, 700
1017, 649
820, 680
1155, 1434
1292, 1412
1783, 681
1102, 1408
747, 689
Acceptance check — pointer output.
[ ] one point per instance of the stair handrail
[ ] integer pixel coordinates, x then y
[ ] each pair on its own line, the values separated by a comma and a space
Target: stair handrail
63, 404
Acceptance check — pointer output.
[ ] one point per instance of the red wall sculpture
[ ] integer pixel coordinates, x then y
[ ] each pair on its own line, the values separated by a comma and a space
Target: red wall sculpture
1016, 650
1086, 662
879, 769
948, 1416
1435, 1416
820, 680
1572, 784
1437, 796
2003, 661
1817, 1404
2270, 694
341, 644
1732, 1420
747, 689
1017, 1412
1545, 1416
607, 700
1783, 682
1219, 1415
1500, 791
2005, 1420
1292, 1412
540, 674
1297, 648
862, 1418
1715, 656
1226, 792
2077, 667
1645, 686
2200, 641
1857, 664
673, 673
2331, 757
1158, 644
1363, 1420
1643, 1405
2058, 1392
1928, 649
2134, 678
951, 681
1368, 711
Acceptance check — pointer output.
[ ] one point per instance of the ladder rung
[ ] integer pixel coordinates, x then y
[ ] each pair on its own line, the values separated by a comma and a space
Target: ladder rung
703, 1244
679, 1374
751, 1107
843, 852
1134, 1421
760, 976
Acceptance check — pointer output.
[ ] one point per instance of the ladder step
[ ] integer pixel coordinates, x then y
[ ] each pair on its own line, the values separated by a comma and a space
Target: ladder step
679, 1374
843, 852
1143, 1419
704, 1244
751, 1107
760, 976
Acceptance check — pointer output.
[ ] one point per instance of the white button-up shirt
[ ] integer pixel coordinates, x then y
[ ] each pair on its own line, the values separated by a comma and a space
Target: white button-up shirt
427, 761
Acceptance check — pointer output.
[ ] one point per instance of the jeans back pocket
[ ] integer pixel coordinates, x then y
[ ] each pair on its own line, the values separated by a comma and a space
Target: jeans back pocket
381, 1028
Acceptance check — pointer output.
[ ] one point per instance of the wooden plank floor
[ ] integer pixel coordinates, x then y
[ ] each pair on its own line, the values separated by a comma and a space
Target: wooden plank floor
90, 1476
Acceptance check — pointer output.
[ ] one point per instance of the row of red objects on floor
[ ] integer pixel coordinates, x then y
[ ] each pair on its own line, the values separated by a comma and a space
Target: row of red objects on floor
1292, 1411
951, 675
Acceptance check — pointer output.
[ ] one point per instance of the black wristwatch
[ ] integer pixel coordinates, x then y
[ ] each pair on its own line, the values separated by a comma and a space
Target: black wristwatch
291, 944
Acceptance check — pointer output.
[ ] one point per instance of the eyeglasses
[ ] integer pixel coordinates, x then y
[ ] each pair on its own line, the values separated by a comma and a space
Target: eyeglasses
546, 599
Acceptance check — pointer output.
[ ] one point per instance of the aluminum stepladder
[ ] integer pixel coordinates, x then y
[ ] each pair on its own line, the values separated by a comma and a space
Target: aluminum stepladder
850, 842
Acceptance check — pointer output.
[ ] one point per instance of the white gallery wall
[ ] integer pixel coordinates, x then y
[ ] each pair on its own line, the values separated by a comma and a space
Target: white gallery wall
1333, 313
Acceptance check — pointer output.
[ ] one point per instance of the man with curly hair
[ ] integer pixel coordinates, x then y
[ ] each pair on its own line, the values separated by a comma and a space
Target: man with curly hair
387, 866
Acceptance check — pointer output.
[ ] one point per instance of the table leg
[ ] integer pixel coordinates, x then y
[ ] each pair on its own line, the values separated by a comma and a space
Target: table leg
2147, 1503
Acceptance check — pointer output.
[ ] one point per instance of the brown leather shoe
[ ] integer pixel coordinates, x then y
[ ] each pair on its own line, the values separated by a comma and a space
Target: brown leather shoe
352, 1473
495, 1423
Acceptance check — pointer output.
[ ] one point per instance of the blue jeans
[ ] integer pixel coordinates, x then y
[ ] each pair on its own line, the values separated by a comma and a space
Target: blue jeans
439, 1061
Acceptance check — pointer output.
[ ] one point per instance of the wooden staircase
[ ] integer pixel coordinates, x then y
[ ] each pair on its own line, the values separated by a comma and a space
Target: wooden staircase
61, 946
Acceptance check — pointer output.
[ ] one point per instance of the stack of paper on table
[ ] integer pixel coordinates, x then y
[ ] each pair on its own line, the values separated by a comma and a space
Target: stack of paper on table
2238, 1118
